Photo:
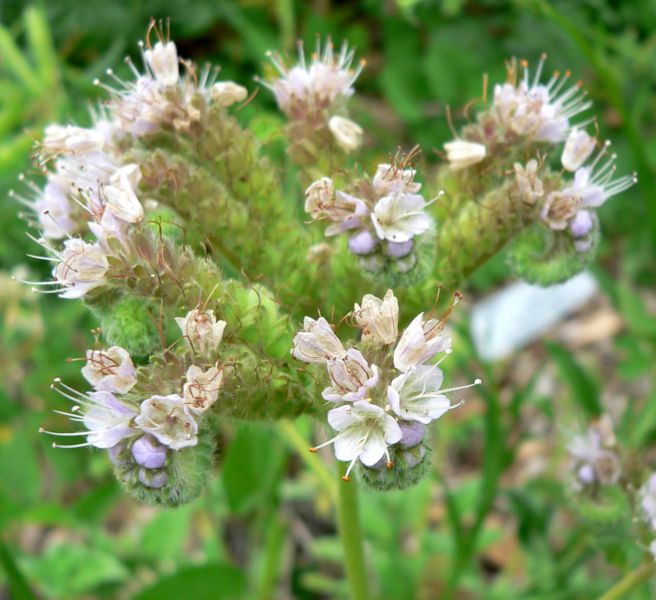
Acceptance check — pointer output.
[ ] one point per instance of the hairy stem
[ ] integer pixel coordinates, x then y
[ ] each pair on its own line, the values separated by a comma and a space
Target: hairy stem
630, 581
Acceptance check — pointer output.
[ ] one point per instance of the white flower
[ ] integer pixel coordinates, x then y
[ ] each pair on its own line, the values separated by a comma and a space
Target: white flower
168, 419
390, 179
82, 267
119, 195
577, 150
327, 80
317, 343
163, 61
399, 217
141, 108
201, 329
319, 198
365, 432
593, 462
227, 93
419, 343
529, 184
416, 395
348, 134
559, 208
378, 319
648, 500
110, 370
462, 154
201, 388
60, 139
540, 111
106, 419
351, 376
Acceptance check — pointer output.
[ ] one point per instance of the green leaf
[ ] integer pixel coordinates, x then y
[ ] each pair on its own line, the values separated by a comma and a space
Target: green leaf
251, 467
585, 389
217, 581
18, 586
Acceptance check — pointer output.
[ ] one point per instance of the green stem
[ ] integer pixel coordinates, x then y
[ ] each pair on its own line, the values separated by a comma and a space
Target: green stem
351, 535
630, 581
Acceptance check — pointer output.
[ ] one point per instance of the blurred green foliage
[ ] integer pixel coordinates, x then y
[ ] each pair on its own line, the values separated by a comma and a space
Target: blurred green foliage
68, 531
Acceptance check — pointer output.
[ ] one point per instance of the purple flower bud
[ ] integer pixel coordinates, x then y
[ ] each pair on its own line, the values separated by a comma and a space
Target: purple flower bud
362, 243
586, 474
399, 249
582, 223
153, 479
149, 453
117, 455
413, 433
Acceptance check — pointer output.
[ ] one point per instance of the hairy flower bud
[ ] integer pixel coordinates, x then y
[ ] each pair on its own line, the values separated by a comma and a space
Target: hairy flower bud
148, 453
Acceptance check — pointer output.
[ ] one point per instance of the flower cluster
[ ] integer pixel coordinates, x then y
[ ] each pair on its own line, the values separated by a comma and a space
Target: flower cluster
572, 208
90, 203
387, 387
594, 459
314, 95
382, 214
137, 424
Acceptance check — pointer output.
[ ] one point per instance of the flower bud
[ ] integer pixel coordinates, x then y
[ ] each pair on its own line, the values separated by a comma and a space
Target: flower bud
399, 249
362, 243
581, 224
413, 433
348, 134
227, 93
462, 154
148, 453
577, 150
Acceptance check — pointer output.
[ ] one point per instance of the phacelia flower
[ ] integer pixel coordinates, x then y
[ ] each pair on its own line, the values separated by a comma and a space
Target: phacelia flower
648, 500
68, 139
365, 432
317, 343
119, 195
529, 184
201, 330
594, 460
384, 406
106, 419
201, 388
351, 377
462, 154
162, 59
81, 268
148, 453
168, 419
378, 319
110, 370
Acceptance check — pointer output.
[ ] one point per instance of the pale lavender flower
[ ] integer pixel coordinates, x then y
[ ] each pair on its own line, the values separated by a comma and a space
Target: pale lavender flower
462, 154
400, 216
420, 342
201, 388
81, 268
201, 329
378, 319
578, 148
